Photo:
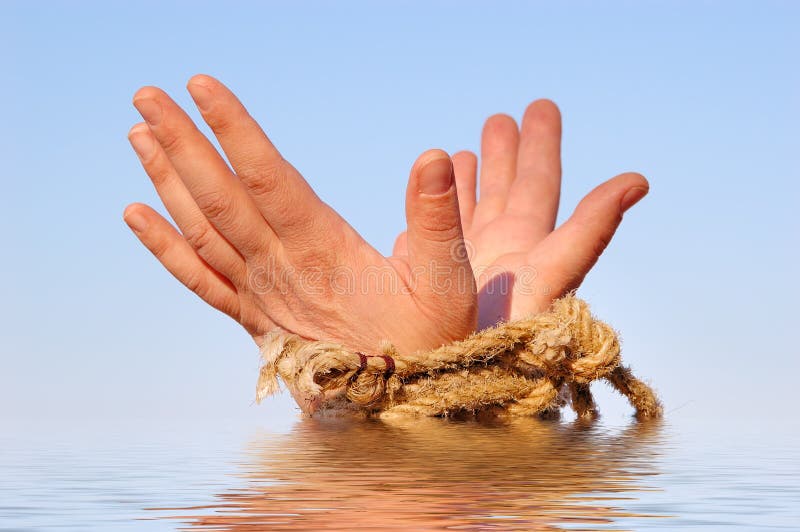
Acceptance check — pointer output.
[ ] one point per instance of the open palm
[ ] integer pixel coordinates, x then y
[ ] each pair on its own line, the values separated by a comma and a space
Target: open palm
521, 262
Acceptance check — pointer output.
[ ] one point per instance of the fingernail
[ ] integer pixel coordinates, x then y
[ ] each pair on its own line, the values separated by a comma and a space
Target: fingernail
436, 177
143, 144
631, 197
136, 222
149, 109
201, 96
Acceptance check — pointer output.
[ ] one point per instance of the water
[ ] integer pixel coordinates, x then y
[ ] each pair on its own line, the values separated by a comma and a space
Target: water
425, 474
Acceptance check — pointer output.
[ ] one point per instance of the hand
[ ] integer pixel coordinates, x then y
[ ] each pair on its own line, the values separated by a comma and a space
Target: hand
259, 245
520, 262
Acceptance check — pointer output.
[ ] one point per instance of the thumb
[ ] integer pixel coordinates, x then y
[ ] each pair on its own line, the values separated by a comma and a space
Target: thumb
576, 245
434, 239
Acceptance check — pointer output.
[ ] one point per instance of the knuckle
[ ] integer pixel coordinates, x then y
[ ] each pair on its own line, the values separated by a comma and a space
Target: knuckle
215, 204
226, 120
199, 235
218, 121
172, 143
438, 216
439, 226
600, 244
307, 255
159, 173
263, 178
307, 228
158, 178
313, 265
194, 282
433, 233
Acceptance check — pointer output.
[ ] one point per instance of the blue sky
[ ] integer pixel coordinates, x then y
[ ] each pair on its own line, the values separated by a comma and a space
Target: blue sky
701, 97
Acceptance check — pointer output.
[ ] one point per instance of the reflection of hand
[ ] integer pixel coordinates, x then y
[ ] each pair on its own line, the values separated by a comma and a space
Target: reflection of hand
259, 245
468, 470
521, 263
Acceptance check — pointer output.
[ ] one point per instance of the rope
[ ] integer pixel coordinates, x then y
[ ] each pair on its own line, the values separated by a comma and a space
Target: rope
526, 367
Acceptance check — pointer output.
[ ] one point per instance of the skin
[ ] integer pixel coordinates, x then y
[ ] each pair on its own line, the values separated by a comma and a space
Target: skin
520, 260
254, 241
245, 246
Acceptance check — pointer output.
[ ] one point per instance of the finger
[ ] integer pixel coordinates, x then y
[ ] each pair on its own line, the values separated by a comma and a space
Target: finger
465, 167
178, 257
274, 184
400, 245
196, 229
499, 144
217, 192
536, 190
434, 238
571, 250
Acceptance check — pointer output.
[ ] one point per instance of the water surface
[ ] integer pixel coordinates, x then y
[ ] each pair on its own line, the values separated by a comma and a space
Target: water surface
427, 474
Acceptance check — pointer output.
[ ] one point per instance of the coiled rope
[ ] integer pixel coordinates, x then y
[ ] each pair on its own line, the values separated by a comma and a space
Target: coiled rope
526, 367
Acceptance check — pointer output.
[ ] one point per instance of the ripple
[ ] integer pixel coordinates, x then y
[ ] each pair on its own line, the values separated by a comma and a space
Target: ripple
435, 474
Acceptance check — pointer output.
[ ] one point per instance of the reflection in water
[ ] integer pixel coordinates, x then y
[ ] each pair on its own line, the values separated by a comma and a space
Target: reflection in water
431, 474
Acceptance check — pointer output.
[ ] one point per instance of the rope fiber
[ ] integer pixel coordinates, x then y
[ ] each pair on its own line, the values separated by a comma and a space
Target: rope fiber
533, 366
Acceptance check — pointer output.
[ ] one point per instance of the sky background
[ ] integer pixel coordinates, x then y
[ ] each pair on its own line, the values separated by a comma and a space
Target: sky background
700, 97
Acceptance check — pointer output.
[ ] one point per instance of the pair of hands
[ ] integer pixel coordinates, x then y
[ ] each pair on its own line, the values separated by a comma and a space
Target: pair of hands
258, 244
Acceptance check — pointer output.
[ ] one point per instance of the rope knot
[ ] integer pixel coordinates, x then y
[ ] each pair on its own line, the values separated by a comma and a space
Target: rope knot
525, 367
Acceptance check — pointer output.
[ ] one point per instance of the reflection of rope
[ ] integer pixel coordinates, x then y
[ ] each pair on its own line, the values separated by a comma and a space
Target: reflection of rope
525, 367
